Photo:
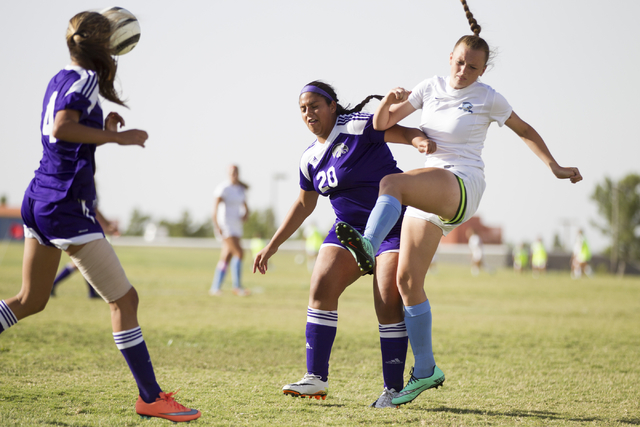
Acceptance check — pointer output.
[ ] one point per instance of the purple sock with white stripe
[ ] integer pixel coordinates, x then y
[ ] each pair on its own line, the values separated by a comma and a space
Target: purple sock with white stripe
133, 348
321, 331
7, 318
394, 342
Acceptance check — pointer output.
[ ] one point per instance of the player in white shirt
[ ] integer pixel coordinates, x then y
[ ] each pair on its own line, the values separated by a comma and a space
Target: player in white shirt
456, 113
477, 252
230, 211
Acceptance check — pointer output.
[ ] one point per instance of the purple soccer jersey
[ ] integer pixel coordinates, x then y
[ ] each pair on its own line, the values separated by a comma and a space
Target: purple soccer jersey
58, 204
66, 169
348, 168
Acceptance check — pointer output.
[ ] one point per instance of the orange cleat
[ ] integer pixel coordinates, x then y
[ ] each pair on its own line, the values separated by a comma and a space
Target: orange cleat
166, 407
241, 292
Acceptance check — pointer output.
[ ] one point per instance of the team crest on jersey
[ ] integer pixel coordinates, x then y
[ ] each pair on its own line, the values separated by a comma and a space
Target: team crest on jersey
466, 107
339, 150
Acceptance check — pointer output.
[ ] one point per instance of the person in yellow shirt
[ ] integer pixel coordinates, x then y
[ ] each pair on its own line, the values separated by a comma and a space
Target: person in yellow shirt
538, 258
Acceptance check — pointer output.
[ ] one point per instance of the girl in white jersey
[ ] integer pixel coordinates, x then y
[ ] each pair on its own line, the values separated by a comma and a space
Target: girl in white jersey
230, 211
58, 207
456, 113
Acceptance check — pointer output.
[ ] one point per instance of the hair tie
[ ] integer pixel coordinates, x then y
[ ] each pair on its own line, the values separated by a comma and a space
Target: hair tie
316, 89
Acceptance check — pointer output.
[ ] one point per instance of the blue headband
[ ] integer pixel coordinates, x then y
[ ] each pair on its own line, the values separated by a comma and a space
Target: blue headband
315, 89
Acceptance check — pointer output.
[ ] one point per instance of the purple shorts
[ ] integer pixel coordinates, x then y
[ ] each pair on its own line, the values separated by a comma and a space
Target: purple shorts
390, 244
61, 224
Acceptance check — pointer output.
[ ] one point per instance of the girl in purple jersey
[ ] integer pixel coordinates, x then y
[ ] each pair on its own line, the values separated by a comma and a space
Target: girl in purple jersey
58, 207
345, 163
457, 112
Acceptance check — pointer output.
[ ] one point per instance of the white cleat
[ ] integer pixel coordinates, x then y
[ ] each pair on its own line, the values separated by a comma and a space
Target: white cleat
384, 401
309, 386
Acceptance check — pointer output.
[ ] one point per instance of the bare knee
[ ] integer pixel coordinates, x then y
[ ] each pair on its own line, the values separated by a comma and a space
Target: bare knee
389, 313
323, 295
29, 304
387, 184
406, 285
128, 304
388, 304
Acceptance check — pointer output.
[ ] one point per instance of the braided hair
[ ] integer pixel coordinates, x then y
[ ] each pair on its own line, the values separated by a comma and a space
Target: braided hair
340, 110
88, 40
474, 42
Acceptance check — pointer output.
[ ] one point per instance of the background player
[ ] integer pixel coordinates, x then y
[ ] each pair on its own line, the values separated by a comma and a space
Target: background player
456, 114
580, 257
58, 207
477, 251
539, 258
230, 211
345, 163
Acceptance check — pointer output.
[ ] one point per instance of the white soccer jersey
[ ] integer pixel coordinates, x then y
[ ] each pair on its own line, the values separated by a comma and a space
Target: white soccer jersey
231, 210
457, 119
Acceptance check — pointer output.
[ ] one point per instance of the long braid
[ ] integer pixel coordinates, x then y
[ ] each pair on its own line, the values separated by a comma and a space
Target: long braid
475, 42
340, 110
475, 27
360, 106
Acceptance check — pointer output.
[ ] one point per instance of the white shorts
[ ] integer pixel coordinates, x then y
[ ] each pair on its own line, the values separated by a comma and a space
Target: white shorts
474, 185
231, 228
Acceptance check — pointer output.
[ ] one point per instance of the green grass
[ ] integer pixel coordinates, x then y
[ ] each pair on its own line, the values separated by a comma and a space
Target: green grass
515, 350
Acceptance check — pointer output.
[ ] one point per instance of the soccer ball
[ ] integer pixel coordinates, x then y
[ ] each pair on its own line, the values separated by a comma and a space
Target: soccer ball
126, 32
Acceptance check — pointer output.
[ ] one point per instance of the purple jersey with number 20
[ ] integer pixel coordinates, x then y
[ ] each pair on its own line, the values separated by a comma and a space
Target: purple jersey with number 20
67, 168
348, 167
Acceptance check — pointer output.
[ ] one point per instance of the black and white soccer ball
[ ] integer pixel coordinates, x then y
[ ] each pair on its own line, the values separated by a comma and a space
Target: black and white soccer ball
126, 27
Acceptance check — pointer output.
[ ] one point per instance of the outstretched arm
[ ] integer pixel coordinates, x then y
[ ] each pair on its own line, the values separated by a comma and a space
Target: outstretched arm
67, 127
393, 108
540, 149
299, 211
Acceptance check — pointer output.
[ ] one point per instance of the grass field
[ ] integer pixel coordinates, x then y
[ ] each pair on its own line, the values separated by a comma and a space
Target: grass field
516, 351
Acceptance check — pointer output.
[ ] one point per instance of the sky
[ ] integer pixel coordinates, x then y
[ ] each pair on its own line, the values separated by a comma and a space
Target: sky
217, 82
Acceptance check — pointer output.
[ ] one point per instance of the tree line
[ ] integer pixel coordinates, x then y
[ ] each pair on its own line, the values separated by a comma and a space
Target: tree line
618, 206
261, 223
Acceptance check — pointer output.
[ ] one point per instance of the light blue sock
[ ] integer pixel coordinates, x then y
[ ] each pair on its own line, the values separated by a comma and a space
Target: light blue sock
236, 269
218, 277
383, 217
418, 321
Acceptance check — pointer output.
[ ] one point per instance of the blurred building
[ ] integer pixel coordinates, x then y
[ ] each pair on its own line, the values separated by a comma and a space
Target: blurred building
10, 223
488, 235
454, 248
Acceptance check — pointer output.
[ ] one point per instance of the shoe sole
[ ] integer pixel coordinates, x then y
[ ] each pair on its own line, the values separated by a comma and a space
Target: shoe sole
373, 405
320, 395
148, 417
436, 385
362, 257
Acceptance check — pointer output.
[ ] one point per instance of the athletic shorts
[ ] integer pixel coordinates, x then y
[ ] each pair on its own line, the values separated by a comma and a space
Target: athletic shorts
60, 224
231, 228
472, 185
390, 244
